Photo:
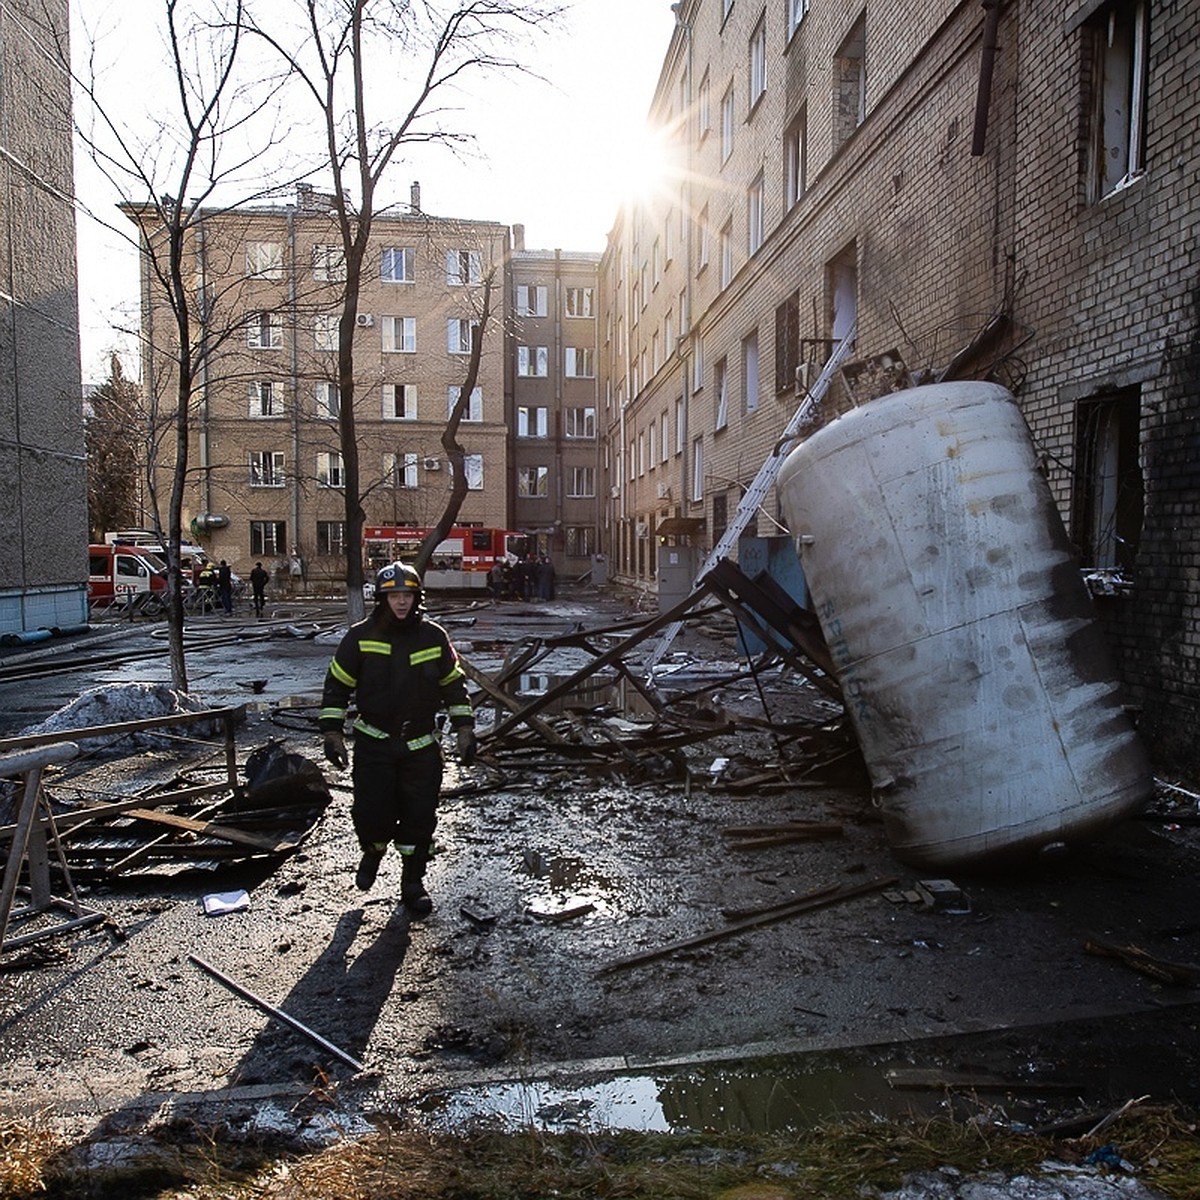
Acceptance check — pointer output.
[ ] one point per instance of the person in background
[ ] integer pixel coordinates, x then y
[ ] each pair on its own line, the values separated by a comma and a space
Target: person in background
225, 587
401, 669
208, 587
259, 578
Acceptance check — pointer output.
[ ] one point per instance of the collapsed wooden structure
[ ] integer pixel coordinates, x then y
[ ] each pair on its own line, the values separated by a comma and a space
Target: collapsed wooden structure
563, 724
183, 822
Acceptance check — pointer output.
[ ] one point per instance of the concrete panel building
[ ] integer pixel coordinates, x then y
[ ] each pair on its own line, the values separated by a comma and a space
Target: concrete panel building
981, 191
43, 505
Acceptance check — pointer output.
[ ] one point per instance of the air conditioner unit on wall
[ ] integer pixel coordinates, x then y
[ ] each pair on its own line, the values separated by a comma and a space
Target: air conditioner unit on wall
433, 464
365, 320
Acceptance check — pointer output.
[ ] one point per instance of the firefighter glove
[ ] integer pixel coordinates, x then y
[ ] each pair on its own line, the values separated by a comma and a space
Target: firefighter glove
335, 748
467, 745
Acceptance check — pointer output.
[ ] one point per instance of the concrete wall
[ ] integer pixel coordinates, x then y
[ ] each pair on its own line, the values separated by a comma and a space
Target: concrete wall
43, 508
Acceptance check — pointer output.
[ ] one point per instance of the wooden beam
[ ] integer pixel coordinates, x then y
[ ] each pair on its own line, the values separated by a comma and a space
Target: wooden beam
821, 898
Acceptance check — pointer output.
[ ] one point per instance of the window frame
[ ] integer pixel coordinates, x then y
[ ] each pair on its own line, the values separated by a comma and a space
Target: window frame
408, 264
728, 121
390, 326
407, 394
756, 216
328, 262
271, 468
262, 321
757, 64
331, 469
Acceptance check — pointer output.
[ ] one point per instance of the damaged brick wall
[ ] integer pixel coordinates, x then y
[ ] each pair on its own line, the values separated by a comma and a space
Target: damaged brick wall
1111, 295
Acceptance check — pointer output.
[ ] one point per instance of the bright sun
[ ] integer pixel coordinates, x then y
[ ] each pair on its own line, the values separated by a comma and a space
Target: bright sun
642, 164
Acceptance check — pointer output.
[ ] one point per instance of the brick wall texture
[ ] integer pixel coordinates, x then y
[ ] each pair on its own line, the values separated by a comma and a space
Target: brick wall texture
1096, 292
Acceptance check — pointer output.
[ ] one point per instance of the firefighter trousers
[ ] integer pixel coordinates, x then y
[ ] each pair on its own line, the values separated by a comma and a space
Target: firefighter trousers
395, 794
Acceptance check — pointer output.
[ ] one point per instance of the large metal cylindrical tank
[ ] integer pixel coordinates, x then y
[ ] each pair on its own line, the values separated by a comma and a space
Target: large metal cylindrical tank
974, 671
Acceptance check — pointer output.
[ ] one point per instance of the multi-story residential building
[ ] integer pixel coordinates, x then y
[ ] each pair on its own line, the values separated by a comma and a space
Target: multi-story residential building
555, 446
43, 509
1001, 191
266, 475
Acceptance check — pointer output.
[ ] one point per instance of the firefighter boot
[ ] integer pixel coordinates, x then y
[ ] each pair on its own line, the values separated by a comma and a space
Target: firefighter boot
368, 866
413, 895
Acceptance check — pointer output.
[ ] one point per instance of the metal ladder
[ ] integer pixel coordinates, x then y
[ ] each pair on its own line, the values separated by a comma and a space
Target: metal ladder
760, 486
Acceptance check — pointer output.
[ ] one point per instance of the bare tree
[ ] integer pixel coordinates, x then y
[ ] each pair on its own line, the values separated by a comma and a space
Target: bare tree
336, 66
210, 131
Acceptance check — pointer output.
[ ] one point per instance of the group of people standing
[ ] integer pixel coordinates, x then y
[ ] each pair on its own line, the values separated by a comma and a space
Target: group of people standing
214, 581
531, 578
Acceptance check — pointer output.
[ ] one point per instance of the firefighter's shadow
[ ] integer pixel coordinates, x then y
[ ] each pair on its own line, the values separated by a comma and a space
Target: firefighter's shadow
339, 998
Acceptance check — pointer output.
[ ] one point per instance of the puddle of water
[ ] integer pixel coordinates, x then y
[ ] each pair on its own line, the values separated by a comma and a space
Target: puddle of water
570, 885
773, 1099
1030, 1078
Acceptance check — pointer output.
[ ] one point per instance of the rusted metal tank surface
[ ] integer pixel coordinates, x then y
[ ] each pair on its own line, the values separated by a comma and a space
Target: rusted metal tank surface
977, 678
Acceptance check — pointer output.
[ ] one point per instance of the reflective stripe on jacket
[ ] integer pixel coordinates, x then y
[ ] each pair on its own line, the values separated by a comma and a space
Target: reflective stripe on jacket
400, 676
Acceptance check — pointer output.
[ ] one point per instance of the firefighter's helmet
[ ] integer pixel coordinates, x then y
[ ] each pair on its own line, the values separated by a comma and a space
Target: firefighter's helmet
396, 577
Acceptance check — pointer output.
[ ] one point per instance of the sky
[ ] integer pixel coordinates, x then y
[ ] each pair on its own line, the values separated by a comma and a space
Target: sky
587, 94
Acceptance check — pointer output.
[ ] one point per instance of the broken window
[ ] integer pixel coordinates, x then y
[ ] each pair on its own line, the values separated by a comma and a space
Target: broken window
1107, 512
787, 343
1120, 37
720, 516
721, 394
850, 83
841, 281
750, 371
795, 155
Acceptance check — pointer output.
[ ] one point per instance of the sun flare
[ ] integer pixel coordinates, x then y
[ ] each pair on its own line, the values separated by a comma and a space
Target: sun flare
643, 166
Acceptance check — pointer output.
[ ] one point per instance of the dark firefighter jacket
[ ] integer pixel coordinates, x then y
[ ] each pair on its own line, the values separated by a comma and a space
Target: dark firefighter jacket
400, 677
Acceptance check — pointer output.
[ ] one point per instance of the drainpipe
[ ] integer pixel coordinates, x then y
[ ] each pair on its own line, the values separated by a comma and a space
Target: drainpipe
201, 380
685, 449
557, 413
294, 538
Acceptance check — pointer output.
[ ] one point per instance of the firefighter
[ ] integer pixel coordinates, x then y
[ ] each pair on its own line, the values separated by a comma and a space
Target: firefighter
401, 668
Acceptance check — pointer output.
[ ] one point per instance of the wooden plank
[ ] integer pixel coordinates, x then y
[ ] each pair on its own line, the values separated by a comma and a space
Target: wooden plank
1141, 960
100, 812
212, 829
821, 898
513, 705
98, 731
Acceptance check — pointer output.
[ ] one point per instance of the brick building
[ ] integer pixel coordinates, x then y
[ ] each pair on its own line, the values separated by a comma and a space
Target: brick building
1003, 192
266, 474
554, 300
43, 505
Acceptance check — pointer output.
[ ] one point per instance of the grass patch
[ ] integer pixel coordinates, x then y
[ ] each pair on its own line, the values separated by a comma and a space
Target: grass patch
831, 1162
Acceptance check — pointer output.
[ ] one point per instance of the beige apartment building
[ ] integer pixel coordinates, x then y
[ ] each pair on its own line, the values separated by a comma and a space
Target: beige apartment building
266, 476
982, 191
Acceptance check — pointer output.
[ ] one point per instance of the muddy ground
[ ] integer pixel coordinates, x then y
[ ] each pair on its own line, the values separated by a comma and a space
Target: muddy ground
119, 1025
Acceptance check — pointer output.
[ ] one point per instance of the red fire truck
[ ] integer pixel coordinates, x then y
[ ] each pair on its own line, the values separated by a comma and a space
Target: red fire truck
462, 559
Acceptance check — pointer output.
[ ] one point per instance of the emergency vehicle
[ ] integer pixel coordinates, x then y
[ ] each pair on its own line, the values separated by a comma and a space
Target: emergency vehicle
461, 560
191, 556
120, 573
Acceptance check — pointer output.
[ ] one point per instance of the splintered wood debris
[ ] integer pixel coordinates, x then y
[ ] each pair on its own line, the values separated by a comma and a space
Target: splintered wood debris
545, 718
201, 818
